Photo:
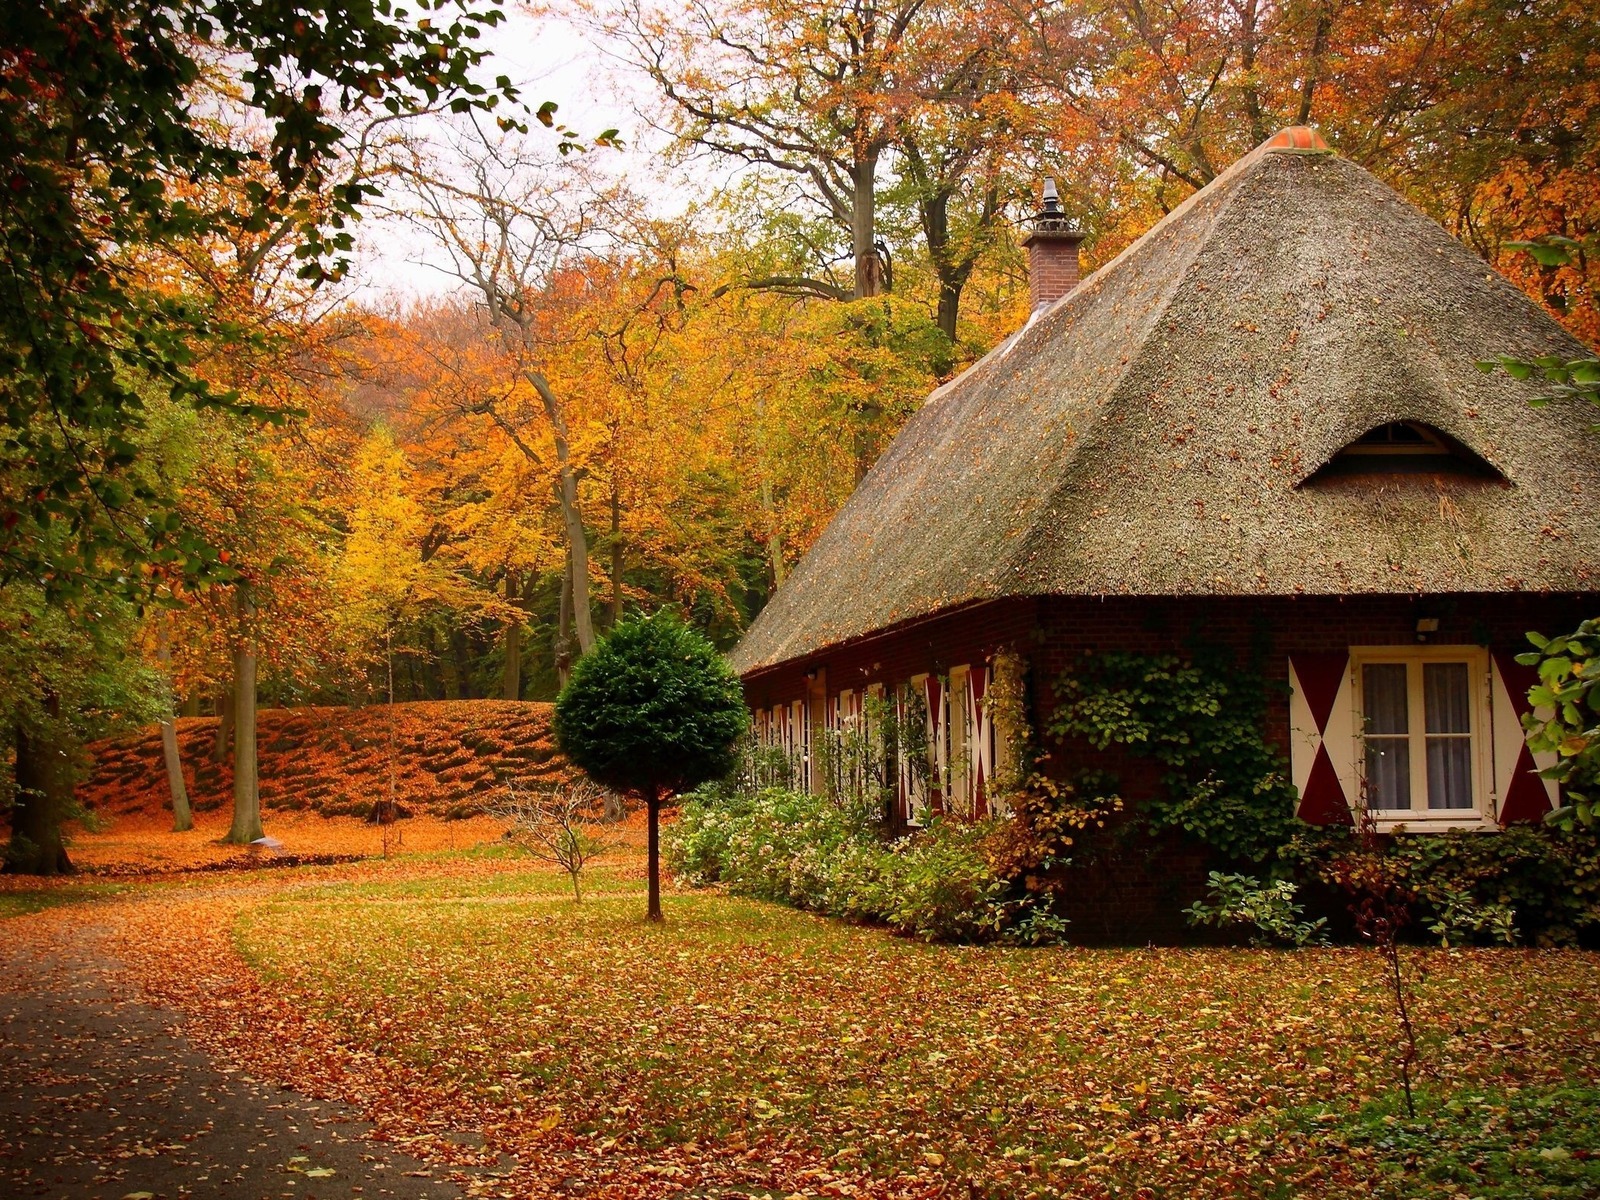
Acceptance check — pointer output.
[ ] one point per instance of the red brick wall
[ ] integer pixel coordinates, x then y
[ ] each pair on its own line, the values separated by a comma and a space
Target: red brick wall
1276, 626
1051, 632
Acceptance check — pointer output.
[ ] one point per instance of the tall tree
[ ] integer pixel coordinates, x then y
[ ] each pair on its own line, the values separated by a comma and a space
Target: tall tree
512, 228
65, 677
814, 92
98, 123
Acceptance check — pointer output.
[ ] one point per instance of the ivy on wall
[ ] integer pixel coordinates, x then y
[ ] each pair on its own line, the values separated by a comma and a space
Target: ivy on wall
1203, 721
1051, 822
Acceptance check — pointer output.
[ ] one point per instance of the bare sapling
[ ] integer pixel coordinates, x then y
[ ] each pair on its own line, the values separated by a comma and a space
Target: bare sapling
1380, 903
555, 825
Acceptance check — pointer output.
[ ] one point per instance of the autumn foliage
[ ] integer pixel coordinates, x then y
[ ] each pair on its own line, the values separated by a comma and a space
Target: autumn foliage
448, 760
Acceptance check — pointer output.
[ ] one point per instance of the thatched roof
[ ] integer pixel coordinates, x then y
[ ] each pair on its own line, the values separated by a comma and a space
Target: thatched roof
1153, 432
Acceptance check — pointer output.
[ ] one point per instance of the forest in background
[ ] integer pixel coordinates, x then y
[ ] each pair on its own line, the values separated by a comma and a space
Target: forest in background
615, 407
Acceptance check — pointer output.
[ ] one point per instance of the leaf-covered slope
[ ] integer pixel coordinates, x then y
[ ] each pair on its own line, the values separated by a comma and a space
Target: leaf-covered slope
448, 757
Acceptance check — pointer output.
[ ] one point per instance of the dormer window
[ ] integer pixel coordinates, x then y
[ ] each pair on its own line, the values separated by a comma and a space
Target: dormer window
1399, 437
1405, 448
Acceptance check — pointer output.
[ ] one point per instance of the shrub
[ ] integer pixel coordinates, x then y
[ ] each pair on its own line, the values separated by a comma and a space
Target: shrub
1538, 882
1270, 911
828, 855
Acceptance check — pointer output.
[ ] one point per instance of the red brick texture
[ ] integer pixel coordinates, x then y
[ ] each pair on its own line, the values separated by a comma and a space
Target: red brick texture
1053, 268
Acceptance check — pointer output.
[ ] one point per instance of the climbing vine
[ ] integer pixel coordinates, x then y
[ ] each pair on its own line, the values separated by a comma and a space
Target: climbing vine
1203, 721
1049, 818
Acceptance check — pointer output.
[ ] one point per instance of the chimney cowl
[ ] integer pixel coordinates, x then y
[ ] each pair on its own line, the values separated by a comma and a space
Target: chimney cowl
1053, 266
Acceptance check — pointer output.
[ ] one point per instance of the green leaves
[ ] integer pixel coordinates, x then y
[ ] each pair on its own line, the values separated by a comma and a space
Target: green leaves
652, 707
110, 161
1566, 717
1571, 379
1553, 251
1203, 719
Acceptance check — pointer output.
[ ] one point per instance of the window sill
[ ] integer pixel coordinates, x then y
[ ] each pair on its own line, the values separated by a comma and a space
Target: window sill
1461, 821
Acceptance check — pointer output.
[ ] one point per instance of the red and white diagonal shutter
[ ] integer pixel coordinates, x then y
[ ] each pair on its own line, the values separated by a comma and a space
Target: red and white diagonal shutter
980, 752
1523, 795
1322, 737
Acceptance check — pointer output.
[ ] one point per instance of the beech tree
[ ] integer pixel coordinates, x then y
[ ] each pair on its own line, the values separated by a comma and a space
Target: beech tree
510, 228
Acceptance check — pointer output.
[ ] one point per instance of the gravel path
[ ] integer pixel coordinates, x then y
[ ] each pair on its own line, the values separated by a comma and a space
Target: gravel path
101, 1096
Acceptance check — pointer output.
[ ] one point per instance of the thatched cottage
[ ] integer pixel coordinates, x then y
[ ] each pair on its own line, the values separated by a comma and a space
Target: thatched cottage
1261, 423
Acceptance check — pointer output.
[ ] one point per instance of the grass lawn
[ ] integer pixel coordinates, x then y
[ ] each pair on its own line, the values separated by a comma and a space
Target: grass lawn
900, 1068
19, 902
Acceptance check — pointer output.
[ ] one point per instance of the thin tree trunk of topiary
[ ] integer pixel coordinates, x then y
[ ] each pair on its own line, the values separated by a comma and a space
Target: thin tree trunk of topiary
653, 804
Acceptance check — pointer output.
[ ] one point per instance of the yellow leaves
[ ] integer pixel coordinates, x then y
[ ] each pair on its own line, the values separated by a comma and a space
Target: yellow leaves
794, 1050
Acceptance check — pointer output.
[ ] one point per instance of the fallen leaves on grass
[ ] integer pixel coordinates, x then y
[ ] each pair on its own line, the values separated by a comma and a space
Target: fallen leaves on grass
756, 1049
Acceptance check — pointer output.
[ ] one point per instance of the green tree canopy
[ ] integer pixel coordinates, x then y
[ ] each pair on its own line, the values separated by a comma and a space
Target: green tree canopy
654, 708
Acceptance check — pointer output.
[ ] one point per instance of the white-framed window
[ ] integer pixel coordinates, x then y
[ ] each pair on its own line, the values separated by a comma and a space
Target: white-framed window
800, 743
1422, 724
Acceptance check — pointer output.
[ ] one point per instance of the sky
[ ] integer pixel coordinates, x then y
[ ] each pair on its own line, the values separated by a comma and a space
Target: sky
548, 58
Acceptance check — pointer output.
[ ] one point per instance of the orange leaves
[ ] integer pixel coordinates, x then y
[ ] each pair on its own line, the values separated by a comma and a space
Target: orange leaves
743, 1048
335, 761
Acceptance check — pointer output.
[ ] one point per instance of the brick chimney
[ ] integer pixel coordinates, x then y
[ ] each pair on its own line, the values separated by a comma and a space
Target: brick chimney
1052, 252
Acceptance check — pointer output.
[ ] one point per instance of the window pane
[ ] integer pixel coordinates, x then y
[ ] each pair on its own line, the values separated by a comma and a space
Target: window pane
1449, 772
1384, 698
1388, 772
1446, 697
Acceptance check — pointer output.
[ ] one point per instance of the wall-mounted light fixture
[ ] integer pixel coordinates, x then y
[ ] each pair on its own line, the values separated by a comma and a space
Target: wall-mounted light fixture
1426, 626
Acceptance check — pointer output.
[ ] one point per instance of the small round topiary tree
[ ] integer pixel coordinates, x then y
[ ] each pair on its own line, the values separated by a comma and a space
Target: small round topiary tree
652, 710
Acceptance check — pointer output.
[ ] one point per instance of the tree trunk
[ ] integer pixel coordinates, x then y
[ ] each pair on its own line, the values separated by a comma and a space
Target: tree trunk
616, 552
775, 538
458, 654
936, 229
563, 646
43, 800
182, 818
449, 676
863, 219
952, 269
246, 792
1314, 65
191, 704
511, 674
224, 738
1249, 45
653, 804
571, 516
